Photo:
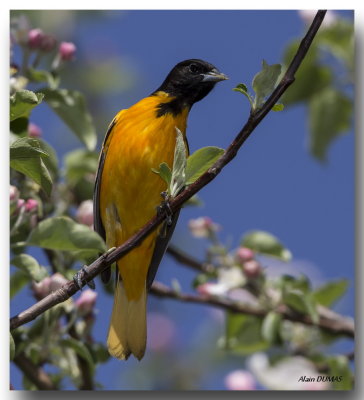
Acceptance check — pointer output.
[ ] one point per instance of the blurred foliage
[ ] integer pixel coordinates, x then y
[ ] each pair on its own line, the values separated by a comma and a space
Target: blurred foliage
325, 83
42, 203
249, 335
45, 203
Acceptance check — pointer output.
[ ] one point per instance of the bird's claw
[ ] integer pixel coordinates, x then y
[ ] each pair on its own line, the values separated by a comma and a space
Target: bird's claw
77, 279
165, 208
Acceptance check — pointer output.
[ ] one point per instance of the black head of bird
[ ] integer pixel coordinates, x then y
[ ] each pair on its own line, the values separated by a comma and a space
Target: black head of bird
191, 80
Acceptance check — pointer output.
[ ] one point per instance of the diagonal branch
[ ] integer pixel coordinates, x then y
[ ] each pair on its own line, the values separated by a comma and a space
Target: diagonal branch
176, 203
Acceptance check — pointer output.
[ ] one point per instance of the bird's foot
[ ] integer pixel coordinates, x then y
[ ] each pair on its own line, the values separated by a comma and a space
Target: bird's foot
77, 279
165, 208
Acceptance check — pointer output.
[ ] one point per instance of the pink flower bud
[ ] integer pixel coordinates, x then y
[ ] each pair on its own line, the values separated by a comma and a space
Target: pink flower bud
34, 130
57, 281
31, 205
86, 302
14, 193
47, 285
43, 288
48, 43
244, 254
240, 380
35, 37
20, 204
252, 269
202, 227
85, 214
67, 51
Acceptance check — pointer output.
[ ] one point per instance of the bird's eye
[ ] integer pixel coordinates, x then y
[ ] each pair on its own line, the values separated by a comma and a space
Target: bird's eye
195, 69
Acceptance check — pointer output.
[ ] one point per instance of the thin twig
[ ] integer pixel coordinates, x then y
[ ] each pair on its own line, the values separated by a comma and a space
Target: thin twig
108, 258
184, 258
339, 325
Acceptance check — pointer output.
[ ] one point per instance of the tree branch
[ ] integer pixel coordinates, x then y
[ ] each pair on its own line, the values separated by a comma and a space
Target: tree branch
334, 323
34, 373
108, 258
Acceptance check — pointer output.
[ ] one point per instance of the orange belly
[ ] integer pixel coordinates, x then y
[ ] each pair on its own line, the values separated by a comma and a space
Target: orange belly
130, 191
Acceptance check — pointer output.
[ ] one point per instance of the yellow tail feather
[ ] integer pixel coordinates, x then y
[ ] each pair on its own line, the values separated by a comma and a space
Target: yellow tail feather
128, 328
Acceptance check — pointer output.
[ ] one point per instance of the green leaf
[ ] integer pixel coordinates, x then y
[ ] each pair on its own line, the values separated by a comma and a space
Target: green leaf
19, 126
35, 169
339, 367
267, 244
22, 103
278, 107
30, 265
164, 172
12, 347
271, 327
200, 161
241, 88
330, 113
338, 38
26, 147
301, 302
178, 179
294, 299
51, 162
244, 334
287, 282
17, 281
81, 350
70, 106
265, 81
80, 170
78, 163
311, 306
99, 353
62, 233
26, 156
35, 75
330, 292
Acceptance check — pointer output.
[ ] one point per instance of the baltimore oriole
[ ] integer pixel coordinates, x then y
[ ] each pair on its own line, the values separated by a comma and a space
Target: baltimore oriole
127, 192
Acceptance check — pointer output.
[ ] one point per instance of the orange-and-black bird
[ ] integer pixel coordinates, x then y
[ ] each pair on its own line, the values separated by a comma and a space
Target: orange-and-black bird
127, 192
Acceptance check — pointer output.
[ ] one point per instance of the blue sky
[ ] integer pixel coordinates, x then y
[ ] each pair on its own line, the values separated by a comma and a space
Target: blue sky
273, 184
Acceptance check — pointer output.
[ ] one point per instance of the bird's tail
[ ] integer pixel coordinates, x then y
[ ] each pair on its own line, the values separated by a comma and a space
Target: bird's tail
128, 328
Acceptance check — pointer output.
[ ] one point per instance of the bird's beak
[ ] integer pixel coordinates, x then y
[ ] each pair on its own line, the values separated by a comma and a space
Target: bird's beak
214, 76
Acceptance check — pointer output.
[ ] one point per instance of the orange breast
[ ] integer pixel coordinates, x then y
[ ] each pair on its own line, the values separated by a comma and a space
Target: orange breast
130, 191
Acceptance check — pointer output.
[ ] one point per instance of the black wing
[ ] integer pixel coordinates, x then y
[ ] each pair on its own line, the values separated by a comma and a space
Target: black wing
160, 248
162, 242
98, 226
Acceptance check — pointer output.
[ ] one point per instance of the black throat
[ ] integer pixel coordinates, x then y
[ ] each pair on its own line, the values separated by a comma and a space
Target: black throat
174, 107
